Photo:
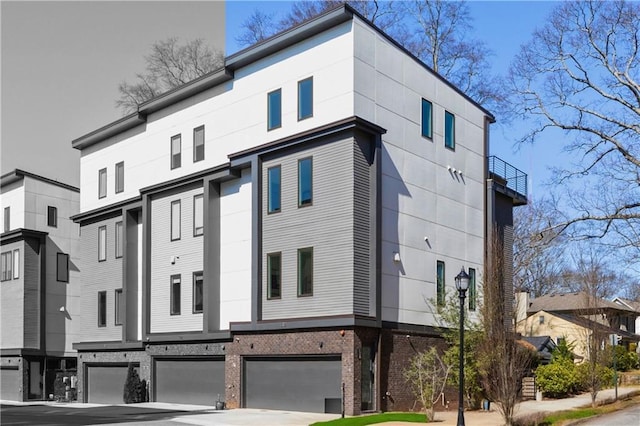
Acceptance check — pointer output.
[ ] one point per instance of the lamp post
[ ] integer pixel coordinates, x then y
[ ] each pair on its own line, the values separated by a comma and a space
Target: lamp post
462, 284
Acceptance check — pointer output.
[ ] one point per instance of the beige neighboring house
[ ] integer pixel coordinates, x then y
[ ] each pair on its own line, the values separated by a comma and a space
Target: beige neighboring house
573, 316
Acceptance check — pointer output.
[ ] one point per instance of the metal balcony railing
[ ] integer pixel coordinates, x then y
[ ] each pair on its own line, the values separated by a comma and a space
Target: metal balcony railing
516, 180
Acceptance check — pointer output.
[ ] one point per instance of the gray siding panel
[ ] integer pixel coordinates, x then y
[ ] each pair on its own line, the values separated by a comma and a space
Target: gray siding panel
361, 228
32, 282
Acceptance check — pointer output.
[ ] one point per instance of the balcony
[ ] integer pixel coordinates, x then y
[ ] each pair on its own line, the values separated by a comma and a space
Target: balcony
508, 179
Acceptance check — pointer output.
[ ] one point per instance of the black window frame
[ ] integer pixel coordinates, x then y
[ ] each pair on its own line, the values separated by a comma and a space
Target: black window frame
195, 145
429, 128
118, 305
171, 228
300, 99
195, 281
269, 189
102, 183
119, 172
62, 274
450, 144
473, 290
7, 219
6, 262
16, 264
307, 292
119, 239
441, 285
301, 202
172, 296
52, 216
102, 243
271, 126
270, 283
198, 231
176, 157
102, 309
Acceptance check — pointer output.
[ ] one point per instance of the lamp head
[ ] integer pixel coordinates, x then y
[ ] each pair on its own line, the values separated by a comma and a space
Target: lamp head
462, 281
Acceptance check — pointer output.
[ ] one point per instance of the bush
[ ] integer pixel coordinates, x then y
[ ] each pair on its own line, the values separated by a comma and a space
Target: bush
134, 388
558, 379
604, 376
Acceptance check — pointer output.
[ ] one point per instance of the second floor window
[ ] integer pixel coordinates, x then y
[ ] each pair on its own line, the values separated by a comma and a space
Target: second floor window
449, 130
274, 109
305, 98
62, 273
198, 292
473, 293
16, 264
273, 275
175, 220
102, 243
6, 266
102, 183
198, 215
175, 294
305, 182
273, 184
7, 219
119, 239
52, 216
119, 304
102, 309
176, 151
440, 288
198, 144
120, 177
427, 119
305, 271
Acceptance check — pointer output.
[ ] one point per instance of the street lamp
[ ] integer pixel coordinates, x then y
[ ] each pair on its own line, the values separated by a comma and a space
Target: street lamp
462, 284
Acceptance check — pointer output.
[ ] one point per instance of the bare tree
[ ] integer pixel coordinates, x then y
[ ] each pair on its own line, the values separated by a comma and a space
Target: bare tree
169, 65
580, 74
257, 27
427, 375
591, 273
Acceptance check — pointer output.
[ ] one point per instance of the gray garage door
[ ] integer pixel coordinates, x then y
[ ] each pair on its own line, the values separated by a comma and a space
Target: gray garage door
298, 384
10, 384
105, 384
189, 381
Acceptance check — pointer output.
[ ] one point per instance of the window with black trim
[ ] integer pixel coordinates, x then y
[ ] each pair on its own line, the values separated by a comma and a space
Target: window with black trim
119, 305
305, 271
305, 98
102, 183
16, 264
198, 215
7, 219
175, 220
175, 294
119, 239
198, 144
440, 284
62, 270
52, 216
274, 109
273, 185
102, 309
7, 263
120, 177
449, 130
102, 243
473, 295
305, 182
274, 272
427, 119
176, 151
198, 292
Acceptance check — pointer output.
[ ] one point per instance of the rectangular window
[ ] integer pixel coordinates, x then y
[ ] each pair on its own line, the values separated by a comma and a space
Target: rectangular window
175, 220
305, 182
119, 239
102, 183
305, 271
274, 109
198, 144
273, 177
52, 216
119, 177
305, 98
102, 309
198, 292
273, 275
16, 264
119, 303
427, 119
6, 266
473, 295
449, 130
102, 243
7, 219
175, 295
198, 215
62, 273
440, 290
176, 151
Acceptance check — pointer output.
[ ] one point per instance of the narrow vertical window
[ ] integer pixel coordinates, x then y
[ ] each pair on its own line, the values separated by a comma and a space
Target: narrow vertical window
198, 215
102, 183
175, 220
6, 266
305, 98
175, 295
440, 290
273, 177
119, 177
473, 295
119, 303
273, 275
198, 295
427, 119
62, 273
305, 271
102, 309
176, 151
102, 243
449, 130
305, 182
119, 239
16, 264
274, 109
52, 216
7, 219
198, 144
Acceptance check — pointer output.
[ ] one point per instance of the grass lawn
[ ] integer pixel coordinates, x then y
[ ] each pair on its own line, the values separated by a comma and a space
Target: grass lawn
375, 418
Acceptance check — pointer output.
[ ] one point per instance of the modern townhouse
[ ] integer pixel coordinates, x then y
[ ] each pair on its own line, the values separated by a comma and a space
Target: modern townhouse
278, 228
39, 291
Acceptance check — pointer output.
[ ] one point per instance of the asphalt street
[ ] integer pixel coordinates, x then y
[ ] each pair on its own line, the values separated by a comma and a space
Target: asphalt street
627, 417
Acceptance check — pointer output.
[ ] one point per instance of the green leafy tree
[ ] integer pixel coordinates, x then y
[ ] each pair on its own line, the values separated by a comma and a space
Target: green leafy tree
559, 378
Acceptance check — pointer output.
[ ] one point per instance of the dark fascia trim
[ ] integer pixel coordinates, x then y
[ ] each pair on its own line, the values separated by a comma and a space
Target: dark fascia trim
195, 336
21, 352
346, 321
18, 174
22, 234
125, 123
217, 173
326, 130
107, 346
108, 211
289, 37
414, 328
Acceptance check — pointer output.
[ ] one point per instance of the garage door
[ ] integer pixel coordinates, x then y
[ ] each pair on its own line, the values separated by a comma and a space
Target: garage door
198, 381
105, 384
10, 384
298, 384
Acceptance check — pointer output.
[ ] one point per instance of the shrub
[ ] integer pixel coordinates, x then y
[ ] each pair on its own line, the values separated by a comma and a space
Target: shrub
134, 389
604, 377
558, 379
